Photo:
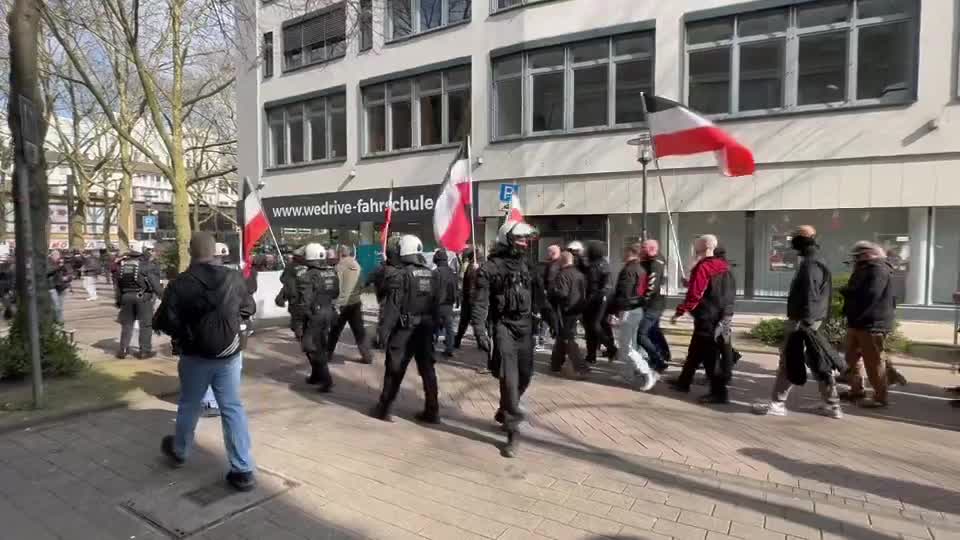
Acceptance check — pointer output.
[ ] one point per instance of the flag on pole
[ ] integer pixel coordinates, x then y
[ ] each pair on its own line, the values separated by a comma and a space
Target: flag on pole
678, 131
515, 211
387, 218
451, 213
255, 224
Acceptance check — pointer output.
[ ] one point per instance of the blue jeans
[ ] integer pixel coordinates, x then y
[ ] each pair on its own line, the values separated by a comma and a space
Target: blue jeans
56, 299
223, 377
209, 400
651, 338
633, 360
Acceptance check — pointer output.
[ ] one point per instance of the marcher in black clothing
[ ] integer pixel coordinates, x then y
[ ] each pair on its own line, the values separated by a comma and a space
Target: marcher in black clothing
710, 300
411, 335
137, 287
504, 300
467, 293
288, 294
447, 284
569, 295
317, 289
385, 280
649, 335
596, 324
548, 271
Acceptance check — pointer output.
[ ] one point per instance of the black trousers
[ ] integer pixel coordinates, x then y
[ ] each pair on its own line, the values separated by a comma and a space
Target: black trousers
716, 359
466, 312
316, 344
597, 328
413, 342
136, 309
566, 345
352, 315
513, 347
298, 321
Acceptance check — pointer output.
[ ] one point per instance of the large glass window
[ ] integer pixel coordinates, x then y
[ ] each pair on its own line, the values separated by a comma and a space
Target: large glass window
821, 54
428, 110
408, 17
581, 86
946, 255
316, 39
314, 130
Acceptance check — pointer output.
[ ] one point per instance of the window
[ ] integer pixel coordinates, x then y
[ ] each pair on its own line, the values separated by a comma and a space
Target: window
499, 5
587, 85
268, 55
817, 55
316, 39
409, 17
307, 131
366, 25
427, 110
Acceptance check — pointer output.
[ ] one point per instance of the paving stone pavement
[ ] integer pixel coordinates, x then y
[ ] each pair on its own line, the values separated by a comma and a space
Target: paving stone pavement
599, 460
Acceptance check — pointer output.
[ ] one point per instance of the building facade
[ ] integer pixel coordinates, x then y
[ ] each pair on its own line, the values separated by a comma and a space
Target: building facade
848, 105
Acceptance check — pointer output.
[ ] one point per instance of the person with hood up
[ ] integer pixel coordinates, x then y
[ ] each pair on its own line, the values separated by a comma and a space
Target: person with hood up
710, 298
808, 306
595, 321
447, 284
869, 307
470, 268
504, 299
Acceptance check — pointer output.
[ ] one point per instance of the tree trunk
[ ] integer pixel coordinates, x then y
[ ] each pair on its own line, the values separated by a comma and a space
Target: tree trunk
78, 219
24, 27
108, 211
181, 193
4, 186
125, 207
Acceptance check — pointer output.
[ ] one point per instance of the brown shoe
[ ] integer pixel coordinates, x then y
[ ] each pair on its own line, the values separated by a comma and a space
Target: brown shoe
872, 404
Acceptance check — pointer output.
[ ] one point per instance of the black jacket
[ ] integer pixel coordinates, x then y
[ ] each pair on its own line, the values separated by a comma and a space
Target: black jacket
149, 278
503, 292
810, 290
868, 298
447, 284
469, 282
184, 302
59, 277
91, 265
598, 280
569, 292
808, 348
627, 294
656, 274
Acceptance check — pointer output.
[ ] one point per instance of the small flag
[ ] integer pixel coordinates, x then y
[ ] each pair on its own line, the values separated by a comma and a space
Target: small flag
451, 214
515, 212
387, 218
255, 225
678, 131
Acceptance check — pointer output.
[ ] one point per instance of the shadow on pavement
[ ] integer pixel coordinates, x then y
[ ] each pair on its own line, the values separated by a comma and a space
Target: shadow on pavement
921, 495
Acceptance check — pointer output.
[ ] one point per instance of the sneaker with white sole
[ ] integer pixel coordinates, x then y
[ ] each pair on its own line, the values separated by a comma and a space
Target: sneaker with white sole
829, 411
770, 408
650, 381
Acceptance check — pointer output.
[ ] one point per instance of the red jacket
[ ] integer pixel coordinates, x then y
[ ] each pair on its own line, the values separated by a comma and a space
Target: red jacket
700, 277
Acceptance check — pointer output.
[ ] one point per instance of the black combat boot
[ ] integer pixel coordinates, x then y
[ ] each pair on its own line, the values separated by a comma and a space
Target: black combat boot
382, 413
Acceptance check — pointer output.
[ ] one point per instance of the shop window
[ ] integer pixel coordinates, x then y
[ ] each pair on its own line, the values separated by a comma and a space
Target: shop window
319, 38
307, 131
816, 55
410, 17
946, 255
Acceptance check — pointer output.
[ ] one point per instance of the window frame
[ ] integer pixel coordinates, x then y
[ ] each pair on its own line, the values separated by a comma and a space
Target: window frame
307, 114
268, 55
415, 110
305, 52
366, 25
790, 78
494, 9
415, 22
568, 69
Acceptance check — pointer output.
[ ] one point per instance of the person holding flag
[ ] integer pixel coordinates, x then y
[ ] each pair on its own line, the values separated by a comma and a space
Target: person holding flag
504, 292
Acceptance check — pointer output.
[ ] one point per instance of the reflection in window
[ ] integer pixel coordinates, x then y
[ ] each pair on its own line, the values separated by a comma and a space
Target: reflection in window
316, 39
409, 17
314, 130
823, 68
710, 81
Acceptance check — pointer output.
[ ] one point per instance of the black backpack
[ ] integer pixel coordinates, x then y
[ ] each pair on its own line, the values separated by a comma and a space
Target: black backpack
215, 333
129, 280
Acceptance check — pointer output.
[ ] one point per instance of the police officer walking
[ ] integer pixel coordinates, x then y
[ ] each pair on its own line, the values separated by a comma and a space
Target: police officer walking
411, 335
503, 291
288, 294
317, 289
138, 285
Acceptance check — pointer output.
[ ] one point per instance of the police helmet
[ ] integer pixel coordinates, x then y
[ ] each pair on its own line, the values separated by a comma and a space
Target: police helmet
410, 245
136, 246
222, 250
575, 247
314, 252
516, 234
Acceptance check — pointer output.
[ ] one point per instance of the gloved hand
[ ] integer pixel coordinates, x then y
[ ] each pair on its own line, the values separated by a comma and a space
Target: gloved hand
483, 341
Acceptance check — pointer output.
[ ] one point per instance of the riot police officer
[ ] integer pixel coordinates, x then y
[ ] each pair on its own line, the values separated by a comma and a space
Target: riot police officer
504, 292
317, 289
288, 294
381, 279
409, 330
138, 285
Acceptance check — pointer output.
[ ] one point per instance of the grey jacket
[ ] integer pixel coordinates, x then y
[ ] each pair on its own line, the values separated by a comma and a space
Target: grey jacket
348, 270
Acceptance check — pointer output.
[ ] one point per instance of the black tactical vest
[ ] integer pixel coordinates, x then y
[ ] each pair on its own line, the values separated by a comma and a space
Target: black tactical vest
130, 279
421, 290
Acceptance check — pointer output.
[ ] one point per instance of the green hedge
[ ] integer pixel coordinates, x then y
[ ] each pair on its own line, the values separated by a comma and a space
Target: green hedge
60, 357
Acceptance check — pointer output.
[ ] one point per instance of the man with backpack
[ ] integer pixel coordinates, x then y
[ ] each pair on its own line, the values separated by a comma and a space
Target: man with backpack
317, 289
203, 309
138, 285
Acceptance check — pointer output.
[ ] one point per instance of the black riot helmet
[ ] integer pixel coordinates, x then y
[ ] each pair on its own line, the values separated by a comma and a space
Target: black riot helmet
594, 250
393, 250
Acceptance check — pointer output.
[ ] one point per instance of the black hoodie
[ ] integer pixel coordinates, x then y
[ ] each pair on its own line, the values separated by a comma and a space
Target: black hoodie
810, 290
868, 298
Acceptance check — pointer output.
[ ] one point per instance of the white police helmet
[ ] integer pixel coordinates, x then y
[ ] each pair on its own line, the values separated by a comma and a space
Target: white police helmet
136, 246
222, 250
576, 247
314, 252
410, 245
515, 233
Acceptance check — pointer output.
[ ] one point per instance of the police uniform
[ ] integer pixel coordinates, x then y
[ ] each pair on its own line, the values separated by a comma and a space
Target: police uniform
503, 293
288, 294
408, 326
138, 285
317, 289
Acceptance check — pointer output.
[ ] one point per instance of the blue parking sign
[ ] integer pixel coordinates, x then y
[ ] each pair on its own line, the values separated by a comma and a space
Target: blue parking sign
507, 191
150, 224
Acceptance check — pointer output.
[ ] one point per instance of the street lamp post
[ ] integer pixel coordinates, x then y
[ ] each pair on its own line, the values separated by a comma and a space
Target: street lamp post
644, 156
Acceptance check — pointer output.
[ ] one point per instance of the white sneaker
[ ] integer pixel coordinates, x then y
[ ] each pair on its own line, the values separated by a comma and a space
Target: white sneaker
651, 381
829, 411
539, 348
770, 408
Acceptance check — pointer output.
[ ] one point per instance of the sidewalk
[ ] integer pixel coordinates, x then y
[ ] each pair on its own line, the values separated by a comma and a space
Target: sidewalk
599, 460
